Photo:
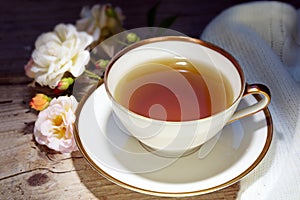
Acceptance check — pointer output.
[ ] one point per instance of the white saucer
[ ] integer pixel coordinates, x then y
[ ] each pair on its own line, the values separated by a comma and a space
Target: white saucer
121, 159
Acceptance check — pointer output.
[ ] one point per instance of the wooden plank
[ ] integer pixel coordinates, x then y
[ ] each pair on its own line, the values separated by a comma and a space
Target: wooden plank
32, 171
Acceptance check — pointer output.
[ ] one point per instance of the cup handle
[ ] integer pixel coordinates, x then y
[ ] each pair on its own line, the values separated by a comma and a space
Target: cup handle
263, 101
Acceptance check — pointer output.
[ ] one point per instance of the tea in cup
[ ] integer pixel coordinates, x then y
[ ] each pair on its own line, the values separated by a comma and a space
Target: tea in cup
174, 93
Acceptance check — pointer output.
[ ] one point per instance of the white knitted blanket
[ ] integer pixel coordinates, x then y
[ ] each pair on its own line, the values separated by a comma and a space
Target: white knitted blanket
265, 38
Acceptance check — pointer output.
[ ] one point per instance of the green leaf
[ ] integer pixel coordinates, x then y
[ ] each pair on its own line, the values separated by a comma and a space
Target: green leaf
151, 14
167, 22
110, 12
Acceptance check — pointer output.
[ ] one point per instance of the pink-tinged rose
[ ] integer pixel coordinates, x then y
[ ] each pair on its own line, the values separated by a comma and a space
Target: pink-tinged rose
40, 102
28, 67
54, 125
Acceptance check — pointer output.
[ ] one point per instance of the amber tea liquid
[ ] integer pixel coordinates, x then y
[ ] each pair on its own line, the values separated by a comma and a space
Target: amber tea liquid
174, 89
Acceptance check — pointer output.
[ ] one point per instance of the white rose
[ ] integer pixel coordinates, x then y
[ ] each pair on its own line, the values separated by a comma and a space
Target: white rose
96, 20
54, 125
60, 51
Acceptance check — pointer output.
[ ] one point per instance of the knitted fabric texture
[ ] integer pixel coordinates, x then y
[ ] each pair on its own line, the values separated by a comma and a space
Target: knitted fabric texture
265, 39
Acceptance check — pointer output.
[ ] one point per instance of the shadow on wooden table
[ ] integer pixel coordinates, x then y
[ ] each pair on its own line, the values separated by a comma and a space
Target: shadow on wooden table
102, 188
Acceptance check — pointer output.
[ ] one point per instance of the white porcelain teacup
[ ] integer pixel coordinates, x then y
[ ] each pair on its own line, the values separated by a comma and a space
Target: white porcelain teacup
177, 138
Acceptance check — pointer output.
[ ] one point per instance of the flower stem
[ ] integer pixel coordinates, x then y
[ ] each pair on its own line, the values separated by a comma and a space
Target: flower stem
121, 42
92, 74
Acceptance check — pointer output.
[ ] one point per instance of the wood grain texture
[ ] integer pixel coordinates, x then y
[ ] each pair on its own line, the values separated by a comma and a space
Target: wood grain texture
32, 171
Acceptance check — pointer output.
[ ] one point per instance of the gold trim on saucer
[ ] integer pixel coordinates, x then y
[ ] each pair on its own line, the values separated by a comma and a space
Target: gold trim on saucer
170, 194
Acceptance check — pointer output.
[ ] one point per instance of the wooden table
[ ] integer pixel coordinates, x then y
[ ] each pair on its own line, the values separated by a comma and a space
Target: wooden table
32, 171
